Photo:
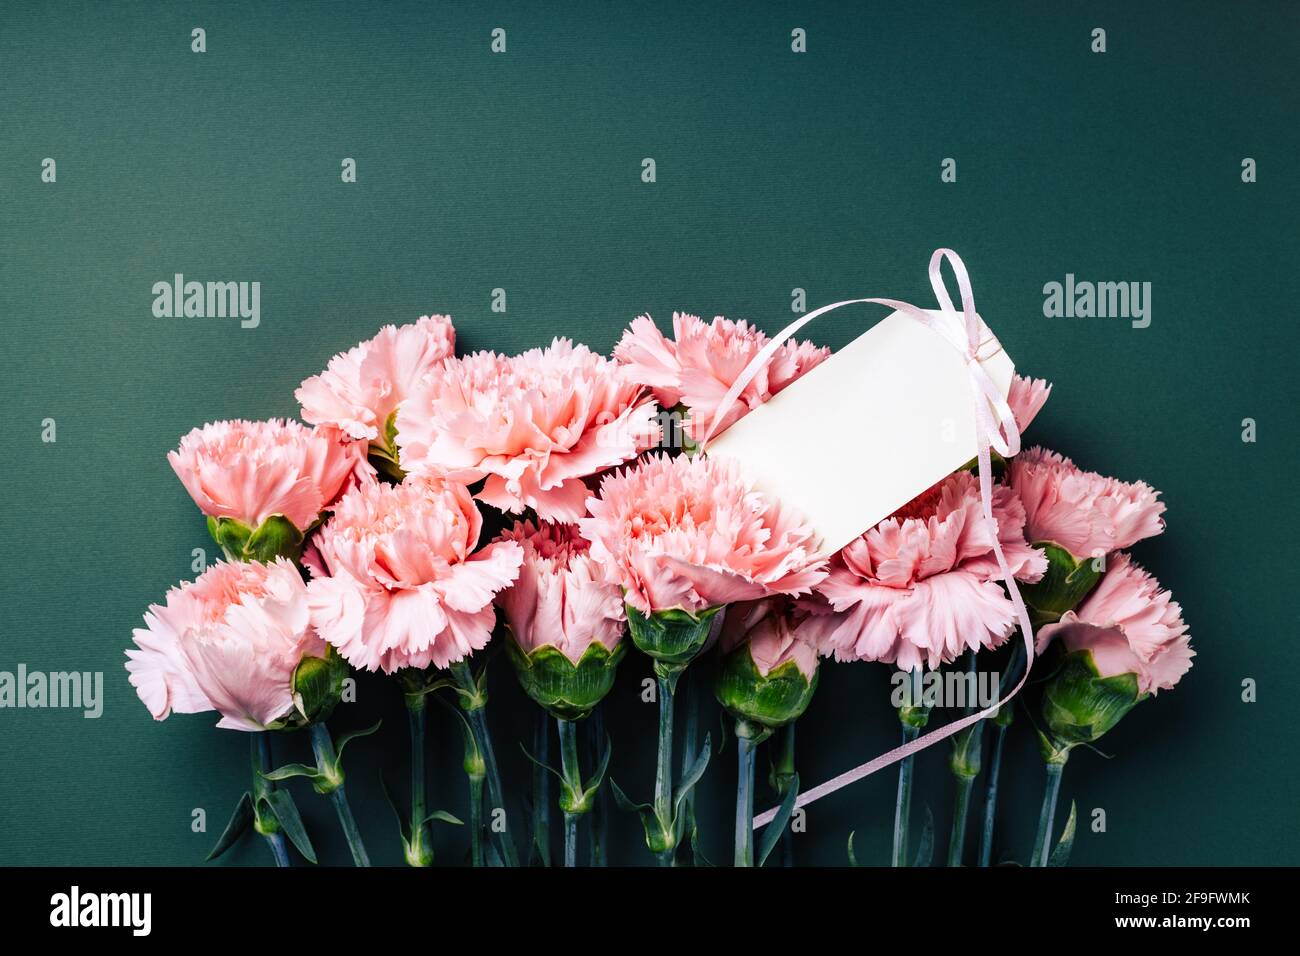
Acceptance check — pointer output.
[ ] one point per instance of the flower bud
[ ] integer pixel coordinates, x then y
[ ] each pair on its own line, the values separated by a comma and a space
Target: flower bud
771, 700
566, 690
1079, 705
1067, 582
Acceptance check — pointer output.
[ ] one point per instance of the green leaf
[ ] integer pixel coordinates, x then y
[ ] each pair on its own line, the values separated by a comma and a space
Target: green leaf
442, 816
925, 849
598, 777
345, 739
772, 833
1061, 852
624, 803
401, 824
290, 770
239, 822
693, 774
286, 812
853, 857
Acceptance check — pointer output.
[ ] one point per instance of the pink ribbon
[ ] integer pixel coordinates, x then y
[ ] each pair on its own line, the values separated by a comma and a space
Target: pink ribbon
1000, 434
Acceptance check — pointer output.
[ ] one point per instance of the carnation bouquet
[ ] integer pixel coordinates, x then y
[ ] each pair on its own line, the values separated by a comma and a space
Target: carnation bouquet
568, 509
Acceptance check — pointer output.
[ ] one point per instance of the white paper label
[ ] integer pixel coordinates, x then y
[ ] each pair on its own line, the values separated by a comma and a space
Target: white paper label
869, 429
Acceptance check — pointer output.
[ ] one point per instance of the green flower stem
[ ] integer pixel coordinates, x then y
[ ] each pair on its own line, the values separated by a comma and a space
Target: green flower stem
1011, 674
541, 789
477, 702
261, 747
991, 797
1047, 813
572, 774
690, 748
957, 842
746, 743
327, 764
599, 816
903, 804
663, 803
421, 849
782, 781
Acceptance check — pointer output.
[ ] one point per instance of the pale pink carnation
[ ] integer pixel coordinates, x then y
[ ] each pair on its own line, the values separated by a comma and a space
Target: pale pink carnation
250, 471
1082, 511
777, 632
561, 597
535, 425
921, 587
1027, 398
1131, 626
704, 360
404, 586
691, 533
229, 642
362, 387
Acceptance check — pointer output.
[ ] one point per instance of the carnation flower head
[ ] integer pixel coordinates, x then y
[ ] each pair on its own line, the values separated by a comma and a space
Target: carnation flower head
361, 388
402, 584
703, 361
1027, 397
1086, 513
535, 425
561, 597
1131, 626
228, 641
921, 587
691, 533
249, 471
777, 631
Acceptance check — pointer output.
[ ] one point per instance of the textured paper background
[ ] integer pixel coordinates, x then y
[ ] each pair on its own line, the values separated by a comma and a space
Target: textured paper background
775, 171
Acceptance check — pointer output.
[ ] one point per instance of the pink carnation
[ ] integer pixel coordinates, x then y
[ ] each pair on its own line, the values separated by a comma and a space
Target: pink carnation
691, 533
1131, 626
362, 387
1027, 398
777, 633
922, 586
704, 361
229, 641
250, 471
561, 597
404, 587
535, 425
1082, 511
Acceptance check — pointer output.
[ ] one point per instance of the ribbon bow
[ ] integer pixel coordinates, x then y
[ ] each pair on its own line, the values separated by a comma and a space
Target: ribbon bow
999, 433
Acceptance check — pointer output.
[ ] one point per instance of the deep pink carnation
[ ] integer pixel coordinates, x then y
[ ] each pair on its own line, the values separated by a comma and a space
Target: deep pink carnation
691, 533
922, 586
1131, 626
404, 586
362, 387
1082, 511
229, 641
535, 425
561, 598
704, 360
252, 470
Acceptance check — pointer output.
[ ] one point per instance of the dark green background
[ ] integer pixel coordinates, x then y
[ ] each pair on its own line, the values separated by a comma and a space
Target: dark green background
775, 171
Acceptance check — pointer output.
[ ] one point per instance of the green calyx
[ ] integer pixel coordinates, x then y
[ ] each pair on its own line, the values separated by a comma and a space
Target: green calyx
383, 452
1063, 587
276, 537
1079, 705
770, 702
673, 638
566, 690
318, 685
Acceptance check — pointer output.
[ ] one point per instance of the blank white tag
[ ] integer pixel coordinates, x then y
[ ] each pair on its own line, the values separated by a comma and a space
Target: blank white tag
869, 429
